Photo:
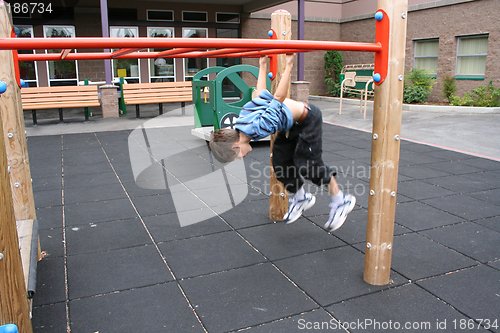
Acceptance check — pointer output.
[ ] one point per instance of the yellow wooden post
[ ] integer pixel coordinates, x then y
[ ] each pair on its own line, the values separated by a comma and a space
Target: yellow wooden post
387, 115
14, 307
281, 24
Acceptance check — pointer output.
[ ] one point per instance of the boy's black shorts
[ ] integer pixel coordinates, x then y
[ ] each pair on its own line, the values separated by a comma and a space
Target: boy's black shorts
297, 154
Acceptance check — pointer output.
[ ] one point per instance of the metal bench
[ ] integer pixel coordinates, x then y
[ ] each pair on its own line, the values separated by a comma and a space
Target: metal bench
157, 93
43, 98
357, 80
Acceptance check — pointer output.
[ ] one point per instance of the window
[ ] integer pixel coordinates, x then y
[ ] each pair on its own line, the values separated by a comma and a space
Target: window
426, 55
119, 15
27, 68
194, 16
471, 57
161, 69
228, 88
194, 65
160, 15
126, 68
227, 18
62, 72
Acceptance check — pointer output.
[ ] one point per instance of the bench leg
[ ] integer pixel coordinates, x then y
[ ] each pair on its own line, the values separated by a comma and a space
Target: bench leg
33, 115
183, 105
137, 111
161, 108
341, 97
61, 115
87, 113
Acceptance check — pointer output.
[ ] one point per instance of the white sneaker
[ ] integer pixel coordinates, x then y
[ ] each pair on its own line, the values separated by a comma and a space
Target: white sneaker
338, 213
296, 207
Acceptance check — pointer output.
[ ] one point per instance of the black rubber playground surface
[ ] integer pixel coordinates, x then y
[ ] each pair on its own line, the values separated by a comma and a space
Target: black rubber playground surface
119, 261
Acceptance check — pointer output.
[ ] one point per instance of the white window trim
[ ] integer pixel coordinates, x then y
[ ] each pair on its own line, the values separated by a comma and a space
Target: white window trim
138, 60
47, 62
459, 38
159, 10
194, 11
184, 59
223, 22
150, 60
30, 27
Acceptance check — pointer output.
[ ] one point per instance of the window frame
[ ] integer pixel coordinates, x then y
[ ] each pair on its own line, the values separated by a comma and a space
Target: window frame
415, 57
194, 11
46, 51
459, 76
136, 29
159, 10
174, 76
184, 73
223, 22
30, 27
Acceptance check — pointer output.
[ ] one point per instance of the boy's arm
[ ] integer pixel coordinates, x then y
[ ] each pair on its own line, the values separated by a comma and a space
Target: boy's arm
282, 89
261, 79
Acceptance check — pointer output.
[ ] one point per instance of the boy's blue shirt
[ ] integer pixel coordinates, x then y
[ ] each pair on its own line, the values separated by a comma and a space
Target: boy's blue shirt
264, 115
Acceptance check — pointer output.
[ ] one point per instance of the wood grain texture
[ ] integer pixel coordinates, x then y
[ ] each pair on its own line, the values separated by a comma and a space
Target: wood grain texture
387, 116
281, 23
14, 306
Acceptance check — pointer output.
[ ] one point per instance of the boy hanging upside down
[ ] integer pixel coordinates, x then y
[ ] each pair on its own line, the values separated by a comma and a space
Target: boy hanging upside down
297, 149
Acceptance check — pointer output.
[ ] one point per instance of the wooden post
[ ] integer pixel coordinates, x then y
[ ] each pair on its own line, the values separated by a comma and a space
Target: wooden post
387, 115
281, 23
14, 306
14, 131
15, 148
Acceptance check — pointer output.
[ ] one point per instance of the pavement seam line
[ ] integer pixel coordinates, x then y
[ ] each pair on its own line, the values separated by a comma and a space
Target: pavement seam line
190, 305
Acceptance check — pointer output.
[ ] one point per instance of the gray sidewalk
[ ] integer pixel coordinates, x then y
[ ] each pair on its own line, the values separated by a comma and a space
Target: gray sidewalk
466, 130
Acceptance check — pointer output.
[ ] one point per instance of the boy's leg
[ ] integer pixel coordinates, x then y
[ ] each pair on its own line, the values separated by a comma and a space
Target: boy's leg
308, 158
340, 205
287, 173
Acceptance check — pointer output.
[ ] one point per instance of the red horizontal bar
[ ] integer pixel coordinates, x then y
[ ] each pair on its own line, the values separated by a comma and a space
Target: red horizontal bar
151, 55
64, 54
204, 43
222, 53
121, 52
176, 51
257, 54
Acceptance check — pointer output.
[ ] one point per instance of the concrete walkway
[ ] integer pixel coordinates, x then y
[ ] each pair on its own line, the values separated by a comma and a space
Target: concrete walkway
461, 130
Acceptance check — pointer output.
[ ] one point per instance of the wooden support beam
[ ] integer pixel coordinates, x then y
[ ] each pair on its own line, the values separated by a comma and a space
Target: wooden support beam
14, 130
14, 307
387, 116
16, 192
281, 24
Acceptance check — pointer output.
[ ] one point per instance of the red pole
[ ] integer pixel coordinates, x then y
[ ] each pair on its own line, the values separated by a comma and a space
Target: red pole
152, 55
203, 43
121, 52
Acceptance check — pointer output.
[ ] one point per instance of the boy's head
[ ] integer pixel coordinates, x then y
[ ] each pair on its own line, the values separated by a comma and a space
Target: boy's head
227, 146
222, 144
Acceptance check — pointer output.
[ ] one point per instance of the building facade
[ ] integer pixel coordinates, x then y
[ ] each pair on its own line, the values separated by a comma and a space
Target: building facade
455, 38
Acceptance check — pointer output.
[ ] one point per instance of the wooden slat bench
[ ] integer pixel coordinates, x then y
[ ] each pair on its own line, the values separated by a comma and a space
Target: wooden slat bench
157, 93
43, 98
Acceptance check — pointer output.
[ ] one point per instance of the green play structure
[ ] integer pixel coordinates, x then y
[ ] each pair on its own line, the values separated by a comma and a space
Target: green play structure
211, 109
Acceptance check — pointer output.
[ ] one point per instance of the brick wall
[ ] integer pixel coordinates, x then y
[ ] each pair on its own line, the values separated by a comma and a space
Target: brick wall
313, 61
445, 23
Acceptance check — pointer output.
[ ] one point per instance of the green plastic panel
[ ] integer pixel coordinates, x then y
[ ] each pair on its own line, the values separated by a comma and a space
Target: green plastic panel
216, 110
